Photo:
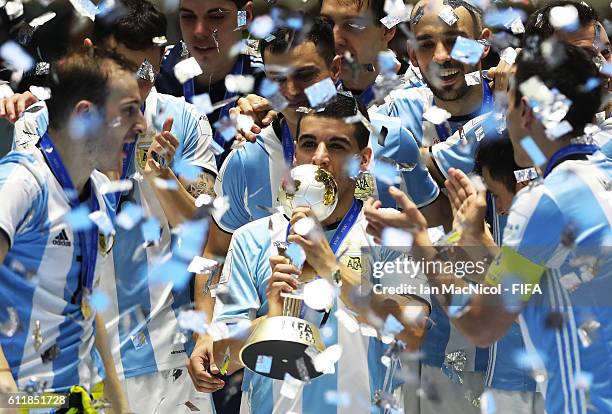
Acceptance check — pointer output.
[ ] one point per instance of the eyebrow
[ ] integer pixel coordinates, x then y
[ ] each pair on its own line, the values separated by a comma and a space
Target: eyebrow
336, 139
131, 102
447, 33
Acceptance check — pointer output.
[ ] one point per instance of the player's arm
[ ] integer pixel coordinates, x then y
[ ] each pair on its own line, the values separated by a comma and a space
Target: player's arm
324, 262
230, 183
237, 281
483, 318
7, 382
178, 204
112, 386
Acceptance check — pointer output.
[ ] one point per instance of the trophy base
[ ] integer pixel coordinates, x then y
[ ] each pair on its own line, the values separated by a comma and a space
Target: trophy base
283, 339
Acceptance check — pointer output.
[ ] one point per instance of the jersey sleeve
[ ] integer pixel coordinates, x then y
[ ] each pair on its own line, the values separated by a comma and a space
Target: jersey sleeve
459, 150
231, 183
408, 106
197, 135
239, 281
21, 199
400, 146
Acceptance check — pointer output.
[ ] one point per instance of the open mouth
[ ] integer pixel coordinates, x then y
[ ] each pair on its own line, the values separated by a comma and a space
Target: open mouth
448, 76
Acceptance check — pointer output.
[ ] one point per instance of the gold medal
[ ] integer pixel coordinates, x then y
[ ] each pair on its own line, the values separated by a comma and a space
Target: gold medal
85, 305
142, 148
364, 186
105, 243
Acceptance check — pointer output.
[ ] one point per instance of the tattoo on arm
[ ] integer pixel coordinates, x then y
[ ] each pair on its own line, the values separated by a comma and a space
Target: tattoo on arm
204, 184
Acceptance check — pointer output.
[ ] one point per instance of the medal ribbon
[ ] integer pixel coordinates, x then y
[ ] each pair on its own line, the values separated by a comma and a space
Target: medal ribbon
288, 146
88, 239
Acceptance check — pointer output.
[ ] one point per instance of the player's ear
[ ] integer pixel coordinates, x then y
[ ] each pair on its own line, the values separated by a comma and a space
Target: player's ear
365, 157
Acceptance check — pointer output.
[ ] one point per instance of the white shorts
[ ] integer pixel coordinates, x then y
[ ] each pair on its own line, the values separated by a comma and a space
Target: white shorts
164, 392
517, 402
452, 396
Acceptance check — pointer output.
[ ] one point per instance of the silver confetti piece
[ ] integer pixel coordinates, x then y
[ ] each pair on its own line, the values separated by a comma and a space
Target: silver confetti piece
42, 68
11, 325
454, 363
417, 16
146, 72
241, 19
385, 400
215, 36
525, 175
37, 336
184, 50
588, 331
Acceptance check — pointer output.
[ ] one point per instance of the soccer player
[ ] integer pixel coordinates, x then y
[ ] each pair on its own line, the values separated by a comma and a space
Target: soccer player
211, 34
513, 390
452, 143
358, 32
52, 260
148, 355
324, 139
551, 228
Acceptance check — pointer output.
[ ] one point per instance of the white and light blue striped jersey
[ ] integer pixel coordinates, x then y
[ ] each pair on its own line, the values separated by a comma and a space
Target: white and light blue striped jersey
557, 225
250, 177
40, 275
133, 292
358, 373
133, 295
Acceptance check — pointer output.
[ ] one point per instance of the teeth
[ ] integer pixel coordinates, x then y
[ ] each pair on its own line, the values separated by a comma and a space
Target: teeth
448, 72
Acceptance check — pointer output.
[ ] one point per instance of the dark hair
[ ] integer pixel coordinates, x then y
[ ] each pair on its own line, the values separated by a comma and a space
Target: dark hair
539, 25
375, 6
81, 75
568, 76
134, 25
316, 30
344, 105
495, 153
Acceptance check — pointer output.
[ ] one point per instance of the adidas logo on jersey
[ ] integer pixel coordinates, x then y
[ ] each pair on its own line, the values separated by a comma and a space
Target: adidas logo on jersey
62, 239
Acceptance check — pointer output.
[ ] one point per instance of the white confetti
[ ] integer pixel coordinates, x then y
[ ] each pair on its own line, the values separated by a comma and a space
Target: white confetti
239, 83
436, 115
187, 69
326, 359
319, 294
118, 186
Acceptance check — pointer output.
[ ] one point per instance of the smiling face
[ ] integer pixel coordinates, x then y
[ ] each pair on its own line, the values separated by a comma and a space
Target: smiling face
302, 66
208, 29
330, 143
356, 32
432, 53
